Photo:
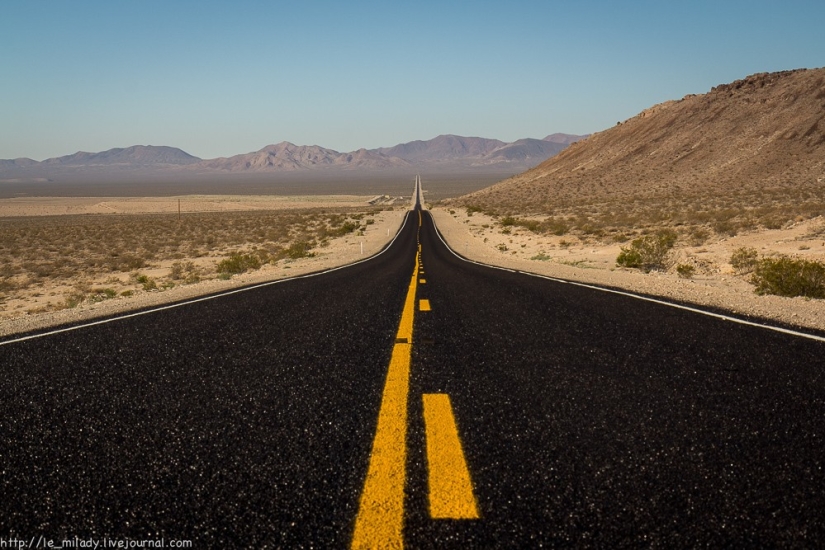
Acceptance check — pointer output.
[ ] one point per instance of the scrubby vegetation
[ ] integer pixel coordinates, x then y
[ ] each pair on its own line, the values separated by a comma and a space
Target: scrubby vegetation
238, 262
75, 251
695, 218
147, 282
744, 260
185, 272
685, 271
649, 252
784, 276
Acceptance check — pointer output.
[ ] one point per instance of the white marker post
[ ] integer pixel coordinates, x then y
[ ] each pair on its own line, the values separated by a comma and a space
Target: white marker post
362, 248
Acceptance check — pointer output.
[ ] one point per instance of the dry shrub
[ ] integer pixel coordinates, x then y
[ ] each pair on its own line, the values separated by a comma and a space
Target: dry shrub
649, 252
744, 260
685, 271
789, 277
239, 263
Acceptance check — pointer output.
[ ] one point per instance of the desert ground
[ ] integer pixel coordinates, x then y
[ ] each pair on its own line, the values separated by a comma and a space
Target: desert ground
714, 282
77, 258
55, 206
71, 259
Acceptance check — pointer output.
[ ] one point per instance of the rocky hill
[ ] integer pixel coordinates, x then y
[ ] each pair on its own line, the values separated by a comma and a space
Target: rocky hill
744, 151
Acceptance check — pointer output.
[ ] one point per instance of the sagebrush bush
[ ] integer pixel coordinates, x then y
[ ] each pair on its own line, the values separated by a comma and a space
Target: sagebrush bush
555, 226
299, 249
74, 299
744, 260
685, 271
789, 277
699, 236
186, 271
147, 282
238, 263
344, 229
649, 252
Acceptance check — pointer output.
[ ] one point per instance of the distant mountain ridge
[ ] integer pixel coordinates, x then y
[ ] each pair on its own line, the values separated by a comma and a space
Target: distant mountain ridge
136, 155
288, 156
565, 139
442, 150
444, 147
21, 162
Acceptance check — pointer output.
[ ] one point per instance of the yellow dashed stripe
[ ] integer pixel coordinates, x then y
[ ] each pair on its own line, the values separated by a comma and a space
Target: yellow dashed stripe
451, 491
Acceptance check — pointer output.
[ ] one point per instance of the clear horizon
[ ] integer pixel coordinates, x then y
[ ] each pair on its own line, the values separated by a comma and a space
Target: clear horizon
218, 79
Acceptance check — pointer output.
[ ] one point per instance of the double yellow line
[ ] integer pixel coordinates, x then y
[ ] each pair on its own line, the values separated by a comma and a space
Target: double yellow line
380, 520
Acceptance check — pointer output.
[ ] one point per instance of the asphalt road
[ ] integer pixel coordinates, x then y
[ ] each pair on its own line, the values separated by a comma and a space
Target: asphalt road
586, 418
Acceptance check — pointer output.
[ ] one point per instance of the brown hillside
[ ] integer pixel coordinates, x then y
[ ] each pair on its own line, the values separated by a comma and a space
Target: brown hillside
750, 153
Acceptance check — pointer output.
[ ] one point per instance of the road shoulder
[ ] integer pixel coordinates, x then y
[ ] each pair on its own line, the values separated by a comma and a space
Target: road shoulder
722, 291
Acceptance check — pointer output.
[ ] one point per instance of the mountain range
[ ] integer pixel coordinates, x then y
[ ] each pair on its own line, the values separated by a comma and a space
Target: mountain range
444, 151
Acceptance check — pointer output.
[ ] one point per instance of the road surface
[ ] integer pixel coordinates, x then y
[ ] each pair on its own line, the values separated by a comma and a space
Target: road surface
531, 413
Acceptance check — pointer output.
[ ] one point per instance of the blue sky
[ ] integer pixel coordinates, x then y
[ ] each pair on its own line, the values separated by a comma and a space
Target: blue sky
221, 78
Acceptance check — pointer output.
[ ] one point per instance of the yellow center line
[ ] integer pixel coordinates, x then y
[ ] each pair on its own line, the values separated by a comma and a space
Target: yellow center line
451, 491
424, 305
380, 520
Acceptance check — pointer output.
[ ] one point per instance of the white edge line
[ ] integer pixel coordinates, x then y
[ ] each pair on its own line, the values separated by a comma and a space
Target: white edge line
637, 296
210, 297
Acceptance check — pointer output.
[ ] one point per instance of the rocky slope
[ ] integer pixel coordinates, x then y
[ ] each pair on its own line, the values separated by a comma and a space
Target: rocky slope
753, 142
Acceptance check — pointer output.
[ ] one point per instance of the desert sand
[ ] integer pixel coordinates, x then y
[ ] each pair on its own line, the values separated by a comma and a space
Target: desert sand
56, 206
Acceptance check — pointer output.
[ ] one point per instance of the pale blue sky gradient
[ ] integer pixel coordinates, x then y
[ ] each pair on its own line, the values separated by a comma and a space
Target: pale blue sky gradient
221, 78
